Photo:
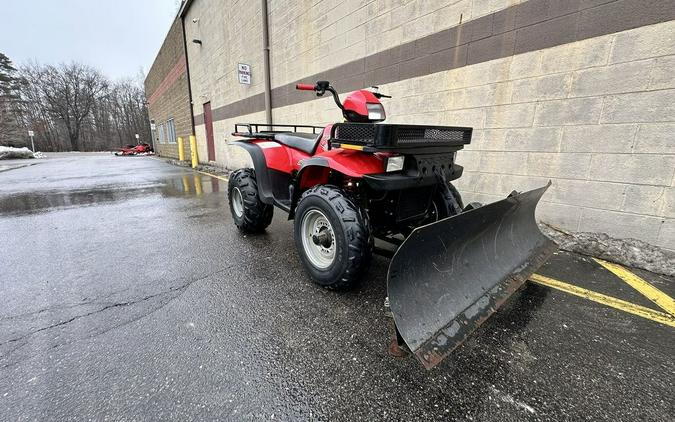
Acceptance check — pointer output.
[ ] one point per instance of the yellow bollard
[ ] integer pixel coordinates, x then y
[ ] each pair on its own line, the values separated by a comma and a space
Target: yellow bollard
181, 149
193, 151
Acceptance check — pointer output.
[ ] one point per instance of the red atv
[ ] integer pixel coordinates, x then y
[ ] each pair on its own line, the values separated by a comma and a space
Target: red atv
140, 149
349, 184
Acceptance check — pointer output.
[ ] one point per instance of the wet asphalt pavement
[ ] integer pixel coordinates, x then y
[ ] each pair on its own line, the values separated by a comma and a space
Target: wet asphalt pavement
128, 294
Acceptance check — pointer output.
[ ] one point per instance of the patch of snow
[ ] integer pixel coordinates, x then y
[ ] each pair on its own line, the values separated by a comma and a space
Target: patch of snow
7, 153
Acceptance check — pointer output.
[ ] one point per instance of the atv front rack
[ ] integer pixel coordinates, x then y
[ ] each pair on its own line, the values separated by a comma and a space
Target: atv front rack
252, 130
400, 138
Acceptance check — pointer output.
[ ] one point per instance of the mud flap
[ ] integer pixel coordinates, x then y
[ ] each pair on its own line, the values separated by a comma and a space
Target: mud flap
448, 277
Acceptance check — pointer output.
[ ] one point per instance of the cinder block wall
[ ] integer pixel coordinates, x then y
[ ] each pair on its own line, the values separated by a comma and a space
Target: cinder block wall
166, 89
577, 92
231, 33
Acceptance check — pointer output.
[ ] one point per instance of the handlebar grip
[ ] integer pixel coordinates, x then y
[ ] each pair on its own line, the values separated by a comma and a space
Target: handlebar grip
305, 87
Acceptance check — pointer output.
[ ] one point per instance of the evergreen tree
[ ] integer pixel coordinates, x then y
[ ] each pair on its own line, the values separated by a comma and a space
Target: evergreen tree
11, 131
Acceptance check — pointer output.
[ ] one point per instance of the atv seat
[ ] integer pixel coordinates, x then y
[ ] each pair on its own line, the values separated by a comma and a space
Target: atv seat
303, 141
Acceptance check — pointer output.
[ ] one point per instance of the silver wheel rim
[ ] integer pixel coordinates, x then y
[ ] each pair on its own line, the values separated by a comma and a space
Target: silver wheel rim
237, 202
314, 222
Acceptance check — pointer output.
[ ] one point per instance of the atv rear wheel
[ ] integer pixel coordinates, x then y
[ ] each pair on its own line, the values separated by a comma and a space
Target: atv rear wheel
249, 213
333, 237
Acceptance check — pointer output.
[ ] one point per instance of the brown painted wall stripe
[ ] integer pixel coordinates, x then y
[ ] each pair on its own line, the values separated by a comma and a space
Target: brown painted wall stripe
176, 71
529, 26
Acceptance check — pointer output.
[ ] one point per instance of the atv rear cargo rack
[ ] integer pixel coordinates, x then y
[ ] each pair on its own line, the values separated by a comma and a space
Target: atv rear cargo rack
252, 130
391, 137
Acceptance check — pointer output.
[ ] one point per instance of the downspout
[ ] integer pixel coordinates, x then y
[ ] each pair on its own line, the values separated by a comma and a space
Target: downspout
266, 64
187, 75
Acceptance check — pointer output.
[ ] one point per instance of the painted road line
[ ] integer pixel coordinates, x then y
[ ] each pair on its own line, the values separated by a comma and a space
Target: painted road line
613, 302
650, 292
212, 175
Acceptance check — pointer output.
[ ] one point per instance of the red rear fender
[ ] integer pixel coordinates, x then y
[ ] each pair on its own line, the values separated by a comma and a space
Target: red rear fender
280, 157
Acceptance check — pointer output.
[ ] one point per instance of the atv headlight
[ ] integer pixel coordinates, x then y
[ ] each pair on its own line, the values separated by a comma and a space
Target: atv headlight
375, 112
395, 163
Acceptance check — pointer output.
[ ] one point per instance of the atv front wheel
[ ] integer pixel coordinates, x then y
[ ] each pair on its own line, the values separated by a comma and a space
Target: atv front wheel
332, 237
445, 203
249, 213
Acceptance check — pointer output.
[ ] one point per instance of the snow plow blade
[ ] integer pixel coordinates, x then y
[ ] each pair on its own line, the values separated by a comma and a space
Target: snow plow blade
448, 277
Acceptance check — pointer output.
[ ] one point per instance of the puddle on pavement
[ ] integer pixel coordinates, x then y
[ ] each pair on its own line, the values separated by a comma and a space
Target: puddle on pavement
194, 184
44, 201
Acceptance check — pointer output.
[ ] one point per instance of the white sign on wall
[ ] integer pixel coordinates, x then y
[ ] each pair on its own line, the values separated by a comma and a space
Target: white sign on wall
244, 72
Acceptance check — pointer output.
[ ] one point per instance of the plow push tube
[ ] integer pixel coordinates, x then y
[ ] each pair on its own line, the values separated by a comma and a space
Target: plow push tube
448, 277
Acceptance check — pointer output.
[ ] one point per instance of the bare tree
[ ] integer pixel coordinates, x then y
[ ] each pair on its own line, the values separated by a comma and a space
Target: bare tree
74, 107
71, 91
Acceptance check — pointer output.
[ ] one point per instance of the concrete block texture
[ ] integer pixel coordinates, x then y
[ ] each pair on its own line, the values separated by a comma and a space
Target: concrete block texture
599, 138
649, 106
662, 76
587, 193
503, 162
666, 237
644, 199
640, 169
166, 89
620, 224
624, 77
574, 111
655, 138
649, 41
513, 115
542, 88
669, 202
577, 55
536, 139
502, 185
554, 164
559, 215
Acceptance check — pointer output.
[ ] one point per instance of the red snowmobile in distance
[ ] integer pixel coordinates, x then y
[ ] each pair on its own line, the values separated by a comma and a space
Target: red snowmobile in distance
140, 149
350, 184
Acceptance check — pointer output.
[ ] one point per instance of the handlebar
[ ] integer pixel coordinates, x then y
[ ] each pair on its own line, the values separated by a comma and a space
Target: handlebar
305, 87
321, 87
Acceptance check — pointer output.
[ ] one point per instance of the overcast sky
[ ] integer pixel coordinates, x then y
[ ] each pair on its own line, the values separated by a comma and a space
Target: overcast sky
116, 36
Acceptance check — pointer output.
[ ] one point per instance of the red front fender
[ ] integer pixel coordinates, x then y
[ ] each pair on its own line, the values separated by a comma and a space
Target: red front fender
315, 170
348, 162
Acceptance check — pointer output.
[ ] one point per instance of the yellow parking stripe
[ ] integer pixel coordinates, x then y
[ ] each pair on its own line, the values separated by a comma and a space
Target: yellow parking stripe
212, 175
650, 292
613, 302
